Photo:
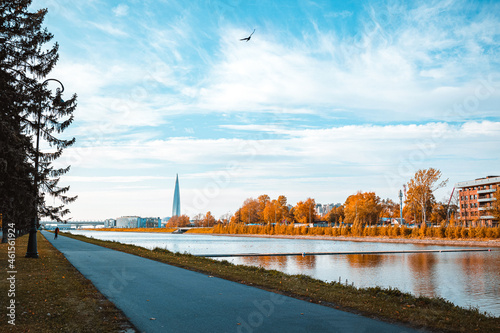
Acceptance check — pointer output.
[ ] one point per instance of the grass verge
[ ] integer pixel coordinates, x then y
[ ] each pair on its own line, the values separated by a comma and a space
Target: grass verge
391, 305
52, 296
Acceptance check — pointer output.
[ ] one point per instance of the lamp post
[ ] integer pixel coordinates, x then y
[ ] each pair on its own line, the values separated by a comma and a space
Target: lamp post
400, 207
32, 251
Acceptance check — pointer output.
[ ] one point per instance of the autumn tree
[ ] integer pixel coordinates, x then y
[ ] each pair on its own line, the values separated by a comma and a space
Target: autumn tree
495, 205
439, 213
197, 219
225, 218
236, 218
208, 220
276, 211
263, 201
249, 213
284, 210
421, 190
335, 215
271, 212
304, 211
178, 221
389, 209
362, 209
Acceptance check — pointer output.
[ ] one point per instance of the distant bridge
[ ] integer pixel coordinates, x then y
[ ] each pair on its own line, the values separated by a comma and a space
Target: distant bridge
69, 224
181, 230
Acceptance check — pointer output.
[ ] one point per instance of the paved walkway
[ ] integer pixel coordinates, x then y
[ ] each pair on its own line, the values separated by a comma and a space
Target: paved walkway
157, 297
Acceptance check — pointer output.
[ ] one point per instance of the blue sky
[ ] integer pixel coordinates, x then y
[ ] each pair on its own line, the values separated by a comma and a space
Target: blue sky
328, 98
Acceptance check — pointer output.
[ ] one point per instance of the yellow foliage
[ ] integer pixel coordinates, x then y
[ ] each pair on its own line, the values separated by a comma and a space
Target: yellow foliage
449, 232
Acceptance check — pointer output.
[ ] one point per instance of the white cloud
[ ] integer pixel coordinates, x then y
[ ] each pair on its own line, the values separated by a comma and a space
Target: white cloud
404, 71
341, 14
110, 29
322, 162
426, 78
121, 10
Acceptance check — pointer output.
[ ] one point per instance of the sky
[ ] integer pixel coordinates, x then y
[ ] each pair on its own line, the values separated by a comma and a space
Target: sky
326, 99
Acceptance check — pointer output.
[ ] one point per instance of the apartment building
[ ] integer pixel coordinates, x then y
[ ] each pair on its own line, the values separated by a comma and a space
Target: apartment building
476, 198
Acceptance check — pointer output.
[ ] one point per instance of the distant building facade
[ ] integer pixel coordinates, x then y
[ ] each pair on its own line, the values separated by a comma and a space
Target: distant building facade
127, 222
133, 222
109, 223
476, 198
149, 222
322, 210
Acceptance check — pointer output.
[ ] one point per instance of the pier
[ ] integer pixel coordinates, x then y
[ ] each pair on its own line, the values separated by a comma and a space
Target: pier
336, 253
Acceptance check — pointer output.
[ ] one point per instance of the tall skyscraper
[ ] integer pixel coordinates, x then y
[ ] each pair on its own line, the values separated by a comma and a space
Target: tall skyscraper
176, 208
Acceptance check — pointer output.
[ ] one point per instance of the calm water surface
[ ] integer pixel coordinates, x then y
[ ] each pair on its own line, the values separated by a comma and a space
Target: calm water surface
466, 279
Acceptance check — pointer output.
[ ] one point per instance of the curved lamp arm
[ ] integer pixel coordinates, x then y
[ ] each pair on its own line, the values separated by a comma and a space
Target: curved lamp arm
43, 83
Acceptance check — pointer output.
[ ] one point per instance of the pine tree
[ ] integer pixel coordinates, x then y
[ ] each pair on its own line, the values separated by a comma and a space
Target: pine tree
28, 106
17, 194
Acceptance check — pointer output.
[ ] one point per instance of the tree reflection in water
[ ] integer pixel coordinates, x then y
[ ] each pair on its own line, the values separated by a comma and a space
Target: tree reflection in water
268, 262
305, 262
422, 266
365, 260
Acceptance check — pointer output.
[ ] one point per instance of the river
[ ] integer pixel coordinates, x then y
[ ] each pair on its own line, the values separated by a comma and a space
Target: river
468, 279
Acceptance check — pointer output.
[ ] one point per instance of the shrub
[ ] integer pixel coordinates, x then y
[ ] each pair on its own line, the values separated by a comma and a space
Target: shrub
496, 232
439, 232
345, 230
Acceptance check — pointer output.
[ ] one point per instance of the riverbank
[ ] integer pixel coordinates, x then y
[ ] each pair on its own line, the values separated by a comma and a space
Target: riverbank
50, 295
423, 240
493, 243
386, 304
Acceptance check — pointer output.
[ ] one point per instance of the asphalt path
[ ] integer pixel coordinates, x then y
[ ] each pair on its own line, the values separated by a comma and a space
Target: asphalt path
157, 297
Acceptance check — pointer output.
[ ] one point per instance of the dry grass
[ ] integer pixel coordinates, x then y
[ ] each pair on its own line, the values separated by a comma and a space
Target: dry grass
52, 296
386, 304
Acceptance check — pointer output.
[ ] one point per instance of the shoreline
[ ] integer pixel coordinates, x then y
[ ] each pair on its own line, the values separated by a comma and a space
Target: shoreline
382, 239
442, 242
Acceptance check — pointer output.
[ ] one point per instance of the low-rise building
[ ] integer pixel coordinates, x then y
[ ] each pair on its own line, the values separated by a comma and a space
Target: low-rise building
127, 221
476, 198
109, 223
149, 222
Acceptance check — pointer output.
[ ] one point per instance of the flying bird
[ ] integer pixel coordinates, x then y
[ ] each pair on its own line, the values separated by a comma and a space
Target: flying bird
248, 38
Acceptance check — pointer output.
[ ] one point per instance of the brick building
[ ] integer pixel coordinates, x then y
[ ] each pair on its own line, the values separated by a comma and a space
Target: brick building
476, 198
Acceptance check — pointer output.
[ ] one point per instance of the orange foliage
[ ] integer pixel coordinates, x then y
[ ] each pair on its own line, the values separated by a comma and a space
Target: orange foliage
449, 232
362, 209
178, 221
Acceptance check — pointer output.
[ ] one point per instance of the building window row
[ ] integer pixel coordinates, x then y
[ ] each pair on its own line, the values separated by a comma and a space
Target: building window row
485, 187
473, 213
469, 197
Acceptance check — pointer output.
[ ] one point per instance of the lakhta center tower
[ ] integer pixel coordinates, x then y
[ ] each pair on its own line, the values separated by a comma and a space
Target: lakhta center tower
176, 208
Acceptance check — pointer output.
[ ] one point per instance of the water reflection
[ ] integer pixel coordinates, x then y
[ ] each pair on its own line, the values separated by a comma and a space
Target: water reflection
422, 268
305, 262
266, 261
365, 260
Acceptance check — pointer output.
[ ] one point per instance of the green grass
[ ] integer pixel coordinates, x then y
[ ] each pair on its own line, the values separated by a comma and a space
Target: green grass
390, 305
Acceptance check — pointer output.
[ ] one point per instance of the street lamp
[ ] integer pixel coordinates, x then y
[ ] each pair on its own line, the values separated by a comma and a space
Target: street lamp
400, 207
32, 251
